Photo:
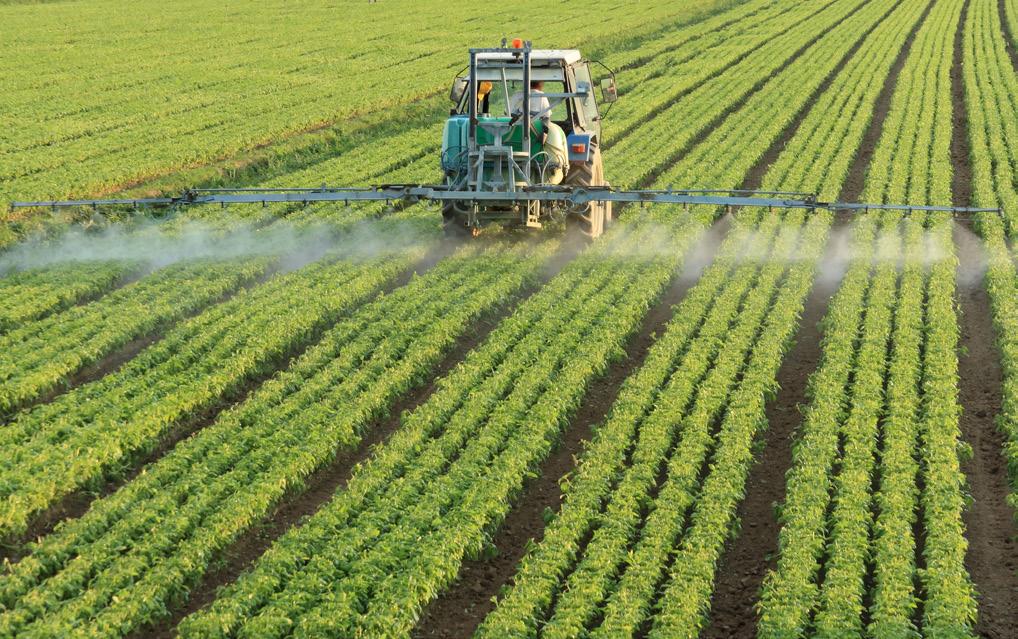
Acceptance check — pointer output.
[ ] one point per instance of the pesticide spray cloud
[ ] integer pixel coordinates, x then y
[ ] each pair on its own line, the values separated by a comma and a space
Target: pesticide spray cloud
157, 244
974, 260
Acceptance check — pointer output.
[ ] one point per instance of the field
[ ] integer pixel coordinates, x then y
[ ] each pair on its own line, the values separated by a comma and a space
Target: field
322, 420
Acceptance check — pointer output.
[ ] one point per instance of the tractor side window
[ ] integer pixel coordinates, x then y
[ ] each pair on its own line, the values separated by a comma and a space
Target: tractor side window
559, 109
587, 104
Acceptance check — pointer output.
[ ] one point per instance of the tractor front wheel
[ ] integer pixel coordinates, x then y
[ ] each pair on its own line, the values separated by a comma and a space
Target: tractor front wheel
589, 219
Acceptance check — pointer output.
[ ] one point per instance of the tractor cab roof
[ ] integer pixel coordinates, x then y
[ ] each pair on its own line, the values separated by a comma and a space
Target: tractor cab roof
538, 57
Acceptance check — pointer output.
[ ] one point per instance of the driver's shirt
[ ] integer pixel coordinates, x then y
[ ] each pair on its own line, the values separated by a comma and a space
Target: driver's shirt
539, 104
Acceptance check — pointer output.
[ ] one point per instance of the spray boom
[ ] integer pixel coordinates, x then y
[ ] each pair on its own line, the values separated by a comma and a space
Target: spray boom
574, 196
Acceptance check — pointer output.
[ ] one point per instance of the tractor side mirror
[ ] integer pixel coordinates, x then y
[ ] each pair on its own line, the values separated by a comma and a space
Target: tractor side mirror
459, 87
609, 92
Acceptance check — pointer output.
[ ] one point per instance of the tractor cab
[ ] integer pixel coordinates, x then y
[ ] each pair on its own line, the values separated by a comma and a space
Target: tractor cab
524, 117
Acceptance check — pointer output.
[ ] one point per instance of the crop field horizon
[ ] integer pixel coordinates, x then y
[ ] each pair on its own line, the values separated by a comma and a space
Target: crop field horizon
310, 418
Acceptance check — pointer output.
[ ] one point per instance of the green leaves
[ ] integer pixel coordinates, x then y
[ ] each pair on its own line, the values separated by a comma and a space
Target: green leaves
36, 358
87, 433
138, 552
853, 509
35, 293
397, 534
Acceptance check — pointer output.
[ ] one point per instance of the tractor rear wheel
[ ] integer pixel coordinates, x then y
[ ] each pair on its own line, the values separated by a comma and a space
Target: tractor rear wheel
589, 219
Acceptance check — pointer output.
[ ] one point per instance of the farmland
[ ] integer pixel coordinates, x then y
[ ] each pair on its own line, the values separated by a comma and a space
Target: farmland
333, 420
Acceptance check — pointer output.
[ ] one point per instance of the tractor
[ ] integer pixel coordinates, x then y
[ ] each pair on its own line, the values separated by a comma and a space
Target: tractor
525, 119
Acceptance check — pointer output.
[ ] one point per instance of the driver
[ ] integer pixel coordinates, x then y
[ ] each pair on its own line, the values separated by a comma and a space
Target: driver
540, 107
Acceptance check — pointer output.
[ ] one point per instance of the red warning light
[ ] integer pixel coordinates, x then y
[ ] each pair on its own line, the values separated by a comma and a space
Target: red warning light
517, 43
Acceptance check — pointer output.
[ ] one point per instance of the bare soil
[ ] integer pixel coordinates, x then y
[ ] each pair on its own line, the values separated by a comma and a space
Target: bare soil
458, 611
992, 558
961, 175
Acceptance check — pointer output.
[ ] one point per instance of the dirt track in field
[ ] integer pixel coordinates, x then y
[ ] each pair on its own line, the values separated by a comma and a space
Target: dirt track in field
458, 611
992, 557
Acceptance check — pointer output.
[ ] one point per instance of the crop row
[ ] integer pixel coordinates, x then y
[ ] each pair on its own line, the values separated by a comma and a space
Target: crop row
36, 358
991, 99
911, 428
32, 294
853, 95
56, 448
217, 484
398, 532
826, 142
547, 568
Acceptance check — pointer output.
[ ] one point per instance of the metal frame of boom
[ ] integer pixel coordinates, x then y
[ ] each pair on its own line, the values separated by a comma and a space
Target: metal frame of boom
411, 193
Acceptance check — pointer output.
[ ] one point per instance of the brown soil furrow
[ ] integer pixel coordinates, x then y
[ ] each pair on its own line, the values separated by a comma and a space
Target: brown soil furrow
1006, 34
992, 558
458, 611
961, 169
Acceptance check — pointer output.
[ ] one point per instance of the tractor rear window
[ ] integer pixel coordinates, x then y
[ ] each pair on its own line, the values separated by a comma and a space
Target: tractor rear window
503, 99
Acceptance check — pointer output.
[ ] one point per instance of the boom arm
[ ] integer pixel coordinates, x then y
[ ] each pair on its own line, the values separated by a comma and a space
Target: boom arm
551, 194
